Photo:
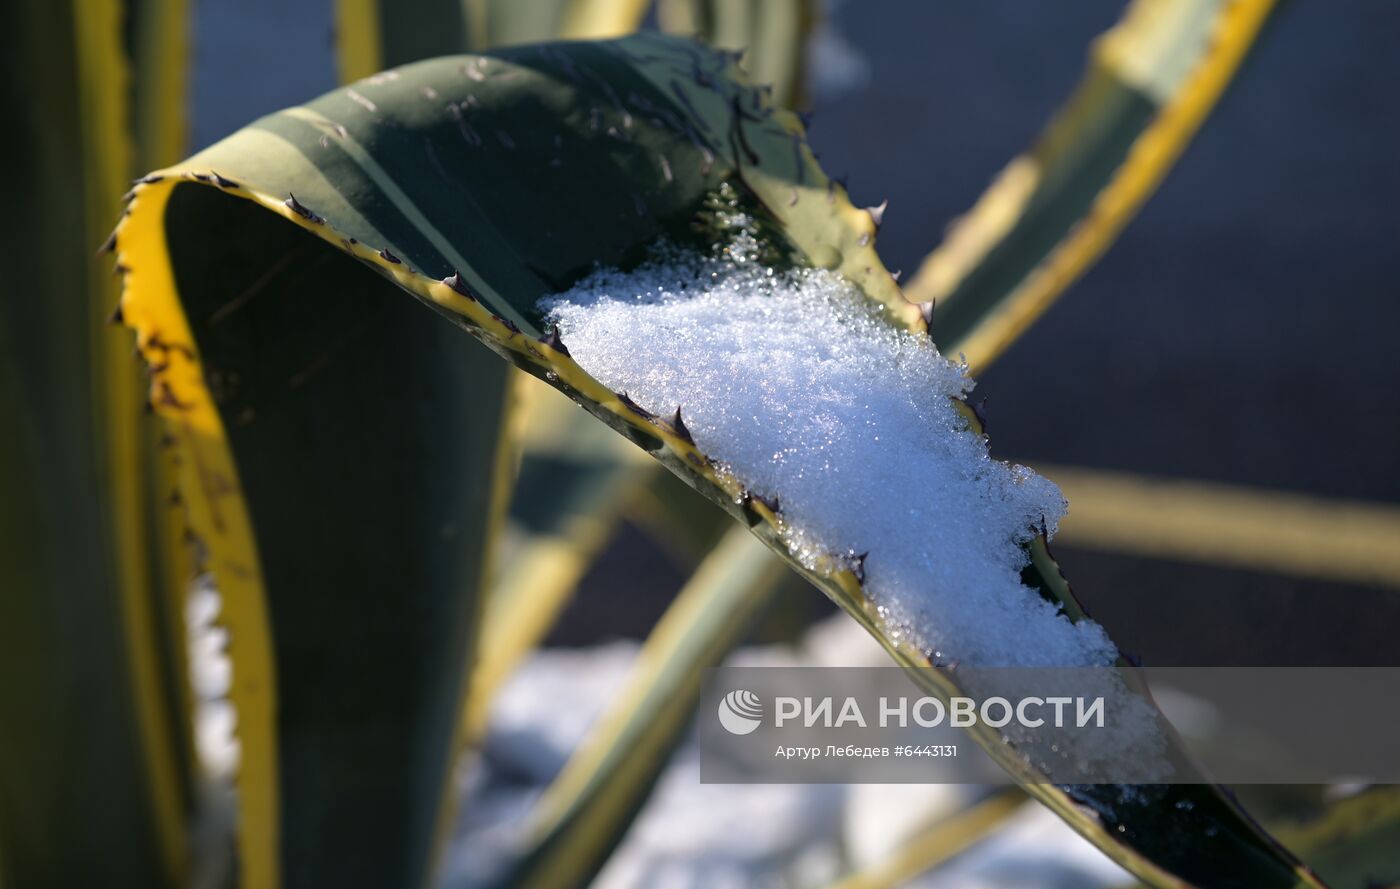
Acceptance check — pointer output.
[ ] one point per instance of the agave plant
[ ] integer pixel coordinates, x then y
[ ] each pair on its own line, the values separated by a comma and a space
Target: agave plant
310, 298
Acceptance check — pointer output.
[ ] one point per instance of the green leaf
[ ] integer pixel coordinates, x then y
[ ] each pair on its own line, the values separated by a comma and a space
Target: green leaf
375, 34
497, 23
338, 461
1151, 81
95, 779
159, 46
574, 481
771, 35
936, 843
588, 808
1354, 843
478, 185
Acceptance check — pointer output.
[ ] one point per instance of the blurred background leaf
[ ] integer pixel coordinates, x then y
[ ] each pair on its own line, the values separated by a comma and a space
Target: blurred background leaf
592, 802
772, 37
100, 786
1151, 81
1351, 840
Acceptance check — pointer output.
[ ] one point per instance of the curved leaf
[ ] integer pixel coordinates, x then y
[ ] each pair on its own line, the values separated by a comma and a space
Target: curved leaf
1053, 211
480, 184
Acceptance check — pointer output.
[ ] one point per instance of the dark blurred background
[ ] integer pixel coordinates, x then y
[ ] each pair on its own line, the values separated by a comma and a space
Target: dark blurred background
1241, 330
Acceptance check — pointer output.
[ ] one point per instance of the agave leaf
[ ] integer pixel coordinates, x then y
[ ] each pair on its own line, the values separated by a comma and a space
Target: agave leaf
159, 45
569, 496
93, 787
600, 19
378, 735
348, 593
936, 843
498, 23
587, 809
538, 579
358, 42
577, 481
332, 739
1216, 524
771, 35
1151, 81
1355, 842
478, 185
605, 784
665, 510
374, 34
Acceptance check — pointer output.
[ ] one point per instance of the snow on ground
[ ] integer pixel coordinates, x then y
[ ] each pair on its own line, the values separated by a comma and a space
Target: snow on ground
712, 836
